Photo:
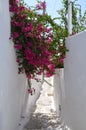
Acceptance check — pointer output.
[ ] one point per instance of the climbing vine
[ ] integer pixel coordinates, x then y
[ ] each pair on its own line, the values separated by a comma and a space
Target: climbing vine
38, 40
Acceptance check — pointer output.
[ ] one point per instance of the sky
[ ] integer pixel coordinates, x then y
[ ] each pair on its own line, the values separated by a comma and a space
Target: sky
54, 5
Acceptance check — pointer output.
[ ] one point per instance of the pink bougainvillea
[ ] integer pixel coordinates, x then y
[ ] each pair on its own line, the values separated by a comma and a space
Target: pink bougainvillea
35, 41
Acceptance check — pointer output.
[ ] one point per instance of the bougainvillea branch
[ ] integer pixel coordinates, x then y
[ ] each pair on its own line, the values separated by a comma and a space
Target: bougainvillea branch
35, 40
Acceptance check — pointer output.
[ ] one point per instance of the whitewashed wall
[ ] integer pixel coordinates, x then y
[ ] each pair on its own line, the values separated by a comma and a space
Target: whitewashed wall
74, 104
58, 84
31, 106
12, 85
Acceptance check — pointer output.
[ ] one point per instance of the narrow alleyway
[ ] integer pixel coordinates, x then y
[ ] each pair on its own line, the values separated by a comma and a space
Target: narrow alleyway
44, 117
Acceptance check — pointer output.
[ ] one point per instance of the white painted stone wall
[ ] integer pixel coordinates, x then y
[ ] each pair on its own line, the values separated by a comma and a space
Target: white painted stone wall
13, 88
33, 98
74, 104
58, 84
12, 85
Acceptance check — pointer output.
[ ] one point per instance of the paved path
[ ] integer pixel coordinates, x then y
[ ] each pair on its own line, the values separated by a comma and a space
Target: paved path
44, 117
